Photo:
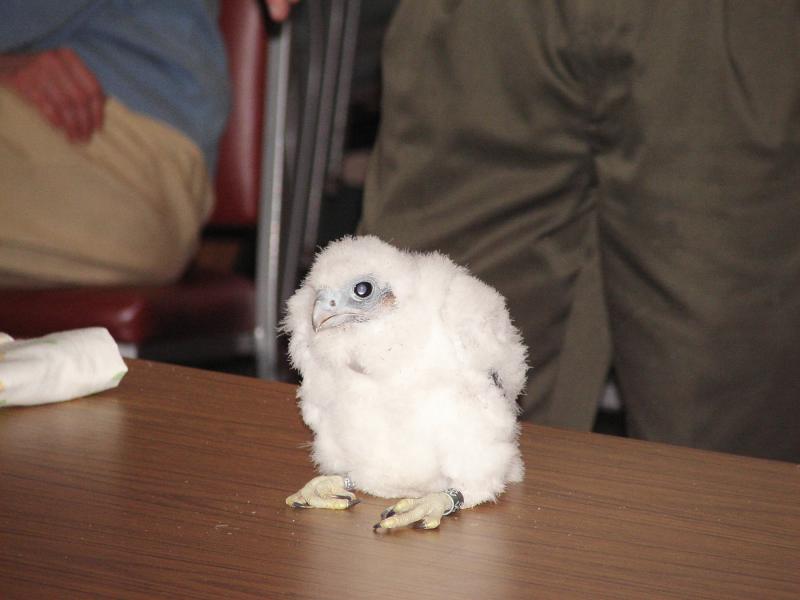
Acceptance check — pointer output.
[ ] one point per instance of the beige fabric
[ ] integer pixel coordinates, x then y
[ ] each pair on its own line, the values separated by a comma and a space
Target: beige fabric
124, 208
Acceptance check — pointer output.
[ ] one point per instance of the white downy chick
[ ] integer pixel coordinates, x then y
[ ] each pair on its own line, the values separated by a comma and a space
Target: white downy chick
410, 372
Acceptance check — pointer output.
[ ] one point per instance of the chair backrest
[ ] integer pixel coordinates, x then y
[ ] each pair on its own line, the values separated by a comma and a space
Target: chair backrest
238, 177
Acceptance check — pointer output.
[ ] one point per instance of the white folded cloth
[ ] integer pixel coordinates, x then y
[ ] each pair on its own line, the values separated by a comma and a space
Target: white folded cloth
59, 366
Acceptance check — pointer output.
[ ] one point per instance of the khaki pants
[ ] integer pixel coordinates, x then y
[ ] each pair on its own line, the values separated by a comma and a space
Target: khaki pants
627, 174
124, 208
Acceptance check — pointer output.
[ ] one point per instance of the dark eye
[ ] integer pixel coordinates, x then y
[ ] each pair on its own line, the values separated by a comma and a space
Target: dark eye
363, 289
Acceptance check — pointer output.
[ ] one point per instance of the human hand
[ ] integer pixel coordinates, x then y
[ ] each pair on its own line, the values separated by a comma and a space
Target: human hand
279, 9
60, 85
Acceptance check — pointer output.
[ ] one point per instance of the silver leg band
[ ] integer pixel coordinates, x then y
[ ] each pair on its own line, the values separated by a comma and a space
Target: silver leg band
457, 499
348, 483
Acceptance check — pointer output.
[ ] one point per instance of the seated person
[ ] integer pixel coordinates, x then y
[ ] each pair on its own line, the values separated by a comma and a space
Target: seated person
110, 115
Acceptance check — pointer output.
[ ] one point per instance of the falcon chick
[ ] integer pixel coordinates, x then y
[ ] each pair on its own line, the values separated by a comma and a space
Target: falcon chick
410, 372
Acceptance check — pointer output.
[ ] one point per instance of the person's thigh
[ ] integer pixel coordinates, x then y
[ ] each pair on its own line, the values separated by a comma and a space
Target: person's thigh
125, 208
699, 229
482, 155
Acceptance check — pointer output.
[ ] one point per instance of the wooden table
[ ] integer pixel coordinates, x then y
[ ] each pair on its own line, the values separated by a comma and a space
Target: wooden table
173, 486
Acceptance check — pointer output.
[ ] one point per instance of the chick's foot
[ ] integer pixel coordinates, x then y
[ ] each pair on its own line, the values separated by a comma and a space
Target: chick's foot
325, 491
422, 513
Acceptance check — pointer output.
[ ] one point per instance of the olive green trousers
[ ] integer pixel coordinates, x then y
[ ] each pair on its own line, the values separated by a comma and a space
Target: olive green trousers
627, 174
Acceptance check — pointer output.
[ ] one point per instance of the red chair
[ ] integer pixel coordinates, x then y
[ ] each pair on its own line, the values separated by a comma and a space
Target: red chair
215, 315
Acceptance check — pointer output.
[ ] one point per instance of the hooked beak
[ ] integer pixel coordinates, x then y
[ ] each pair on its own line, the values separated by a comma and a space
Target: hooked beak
329, 311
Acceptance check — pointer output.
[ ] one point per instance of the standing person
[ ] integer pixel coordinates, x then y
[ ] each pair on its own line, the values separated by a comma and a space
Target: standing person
627, 174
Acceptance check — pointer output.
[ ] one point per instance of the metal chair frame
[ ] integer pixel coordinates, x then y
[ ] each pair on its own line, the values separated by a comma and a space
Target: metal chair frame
299, 160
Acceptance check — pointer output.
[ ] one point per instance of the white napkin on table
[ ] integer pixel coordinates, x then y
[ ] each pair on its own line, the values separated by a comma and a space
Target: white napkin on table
59, 366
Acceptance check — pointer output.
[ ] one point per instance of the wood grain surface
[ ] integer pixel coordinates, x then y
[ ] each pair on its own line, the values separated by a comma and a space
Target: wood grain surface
173, 486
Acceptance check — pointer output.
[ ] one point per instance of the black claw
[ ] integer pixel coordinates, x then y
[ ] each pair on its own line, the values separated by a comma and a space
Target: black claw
418, 525
389, 512
353, 502
376, 527
300, 505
